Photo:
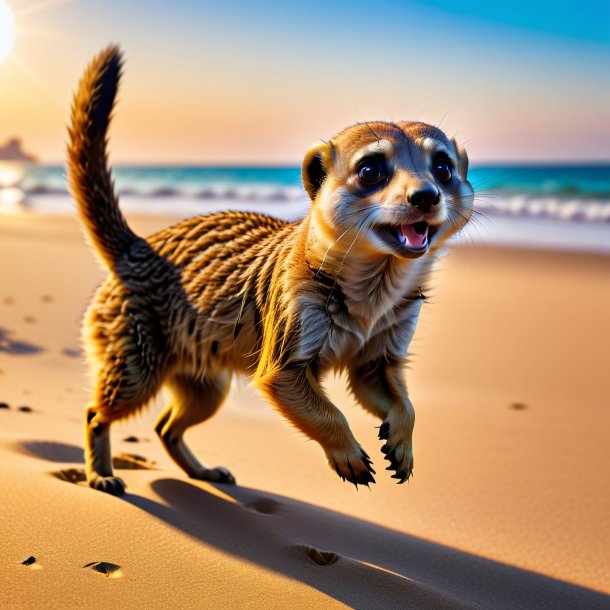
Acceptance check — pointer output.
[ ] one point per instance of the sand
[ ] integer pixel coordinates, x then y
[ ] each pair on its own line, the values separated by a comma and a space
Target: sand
509, 506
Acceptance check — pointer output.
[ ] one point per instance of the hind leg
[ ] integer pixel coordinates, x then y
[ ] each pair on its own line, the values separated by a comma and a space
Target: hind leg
97, 454
193, 401
122, 390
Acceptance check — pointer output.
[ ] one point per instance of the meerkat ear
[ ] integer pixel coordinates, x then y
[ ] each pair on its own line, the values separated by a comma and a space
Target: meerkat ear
462, 159
315, 168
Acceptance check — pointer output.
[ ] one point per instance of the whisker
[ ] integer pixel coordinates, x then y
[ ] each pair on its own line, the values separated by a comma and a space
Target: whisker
363, 221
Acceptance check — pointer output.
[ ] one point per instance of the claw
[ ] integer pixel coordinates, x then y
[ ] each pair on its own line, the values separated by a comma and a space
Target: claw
339, 472
351, 471
391, 456
384, 431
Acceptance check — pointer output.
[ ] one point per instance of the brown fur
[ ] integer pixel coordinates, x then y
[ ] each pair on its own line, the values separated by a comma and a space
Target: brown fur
239, 292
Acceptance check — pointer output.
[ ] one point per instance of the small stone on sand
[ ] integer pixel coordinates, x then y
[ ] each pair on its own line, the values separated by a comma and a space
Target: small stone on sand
103, 567
25, 409
517, 406
4, 405
29, 561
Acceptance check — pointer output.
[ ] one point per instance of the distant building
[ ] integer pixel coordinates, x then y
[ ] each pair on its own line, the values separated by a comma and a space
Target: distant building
12, 151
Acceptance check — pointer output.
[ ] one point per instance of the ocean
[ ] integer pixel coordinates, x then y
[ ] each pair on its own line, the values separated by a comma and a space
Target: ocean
575, 194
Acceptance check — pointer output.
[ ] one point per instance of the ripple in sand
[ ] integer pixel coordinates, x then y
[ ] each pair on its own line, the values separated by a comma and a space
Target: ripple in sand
103, 567
321, 558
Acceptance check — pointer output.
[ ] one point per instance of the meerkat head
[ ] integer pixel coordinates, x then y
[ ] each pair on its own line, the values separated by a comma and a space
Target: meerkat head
397, 189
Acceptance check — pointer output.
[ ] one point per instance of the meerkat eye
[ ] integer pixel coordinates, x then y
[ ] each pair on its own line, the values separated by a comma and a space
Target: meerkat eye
442, 168
372, 171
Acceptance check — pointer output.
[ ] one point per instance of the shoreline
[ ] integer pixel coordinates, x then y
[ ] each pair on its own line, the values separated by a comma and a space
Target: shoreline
486, 228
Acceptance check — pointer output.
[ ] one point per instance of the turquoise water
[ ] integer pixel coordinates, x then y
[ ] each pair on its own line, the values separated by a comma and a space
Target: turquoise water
561, 181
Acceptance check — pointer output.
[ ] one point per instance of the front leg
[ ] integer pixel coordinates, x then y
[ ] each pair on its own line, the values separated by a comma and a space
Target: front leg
296, 392
381, 389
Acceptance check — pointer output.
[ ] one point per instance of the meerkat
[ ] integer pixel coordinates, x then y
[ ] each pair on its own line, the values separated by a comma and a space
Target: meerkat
281, 302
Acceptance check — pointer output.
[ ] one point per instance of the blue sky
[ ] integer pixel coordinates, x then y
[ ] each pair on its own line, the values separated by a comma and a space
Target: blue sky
259, 82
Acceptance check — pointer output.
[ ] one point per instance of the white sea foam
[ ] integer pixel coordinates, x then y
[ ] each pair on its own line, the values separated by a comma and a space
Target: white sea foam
549, 223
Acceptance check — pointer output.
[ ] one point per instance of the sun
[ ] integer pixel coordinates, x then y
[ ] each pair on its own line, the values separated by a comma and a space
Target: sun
7, 30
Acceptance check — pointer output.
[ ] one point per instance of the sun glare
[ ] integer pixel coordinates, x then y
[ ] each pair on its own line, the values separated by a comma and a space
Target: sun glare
7, 30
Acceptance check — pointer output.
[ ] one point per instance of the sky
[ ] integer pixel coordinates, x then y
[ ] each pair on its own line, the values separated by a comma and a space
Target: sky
258, 82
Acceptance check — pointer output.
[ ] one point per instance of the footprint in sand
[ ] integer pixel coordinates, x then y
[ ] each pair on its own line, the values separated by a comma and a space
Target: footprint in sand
103, 567
125, 461
321, 558
30, 320
265, 506
71, 353
135, 439
130, 461
46, 298
71, 475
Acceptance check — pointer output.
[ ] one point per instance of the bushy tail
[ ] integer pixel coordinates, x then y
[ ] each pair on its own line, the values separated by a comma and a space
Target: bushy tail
89, 176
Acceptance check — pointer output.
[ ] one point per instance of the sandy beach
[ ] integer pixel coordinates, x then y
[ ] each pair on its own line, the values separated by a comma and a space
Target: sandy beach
509, 506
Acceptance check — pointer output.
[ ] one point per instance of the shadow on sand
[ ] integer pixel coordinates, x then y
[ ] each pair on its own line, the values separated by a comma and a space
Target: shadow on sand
52, 451
16, 348
358, 563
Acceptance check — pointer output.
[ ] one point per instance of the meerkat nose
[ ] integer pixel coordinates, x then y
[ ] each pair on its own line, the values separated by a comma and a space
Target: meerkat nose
424, 198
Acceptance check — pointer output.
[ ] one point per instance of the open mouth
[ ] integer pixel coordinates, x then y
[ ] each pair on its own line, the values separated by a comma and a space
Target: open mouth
410, 240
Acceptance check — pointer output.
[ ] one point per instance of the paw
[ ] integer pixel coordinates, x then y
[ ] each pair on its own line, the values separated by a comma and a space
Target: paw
111, 485
215, 475
398, 452
353, 466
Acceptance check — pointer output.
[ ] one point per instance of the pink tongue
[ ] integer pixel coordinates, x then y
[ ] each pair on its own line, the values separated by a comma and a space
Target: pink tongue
414, 239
